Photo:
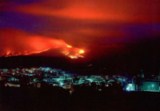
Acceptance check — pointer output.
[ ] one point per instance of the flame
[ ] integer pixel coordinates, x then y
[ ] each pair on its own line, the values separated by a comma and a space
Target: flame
73, 53
21, 44
81, 51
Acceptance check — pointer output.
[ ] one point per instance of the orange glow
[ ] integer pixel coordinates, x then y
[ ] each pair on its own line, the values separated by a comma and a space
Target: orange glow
8, 52
69, 46
81, 51
73, 53
19, 43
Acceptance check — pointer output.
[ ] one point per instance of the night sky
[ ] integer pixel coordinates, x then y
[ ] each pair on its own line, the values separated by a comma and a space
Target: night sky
119, 35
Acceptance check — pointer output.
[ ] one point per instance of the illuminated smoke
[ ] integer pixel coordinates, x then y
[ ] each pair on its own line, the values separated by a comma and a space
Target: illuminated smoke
16, 44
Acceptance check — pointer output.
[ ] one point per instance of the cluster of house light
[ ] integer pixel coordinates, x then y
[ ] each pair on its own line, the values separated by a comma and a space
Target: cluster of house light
60, 78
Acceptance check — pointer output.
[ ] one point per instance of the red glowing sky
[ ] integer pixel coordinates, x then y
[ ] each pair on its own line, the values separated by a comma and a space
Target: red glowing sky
100, 26
141, 11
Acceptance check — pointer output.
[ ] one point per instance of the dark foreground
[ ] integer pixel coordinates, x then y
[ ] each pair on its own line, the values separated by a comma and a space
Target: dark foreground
54, 99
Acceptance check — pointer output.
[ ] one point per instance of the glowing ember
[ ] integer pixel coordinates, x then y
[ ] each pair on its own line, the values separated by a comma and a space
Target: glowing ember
81, 51
73, 53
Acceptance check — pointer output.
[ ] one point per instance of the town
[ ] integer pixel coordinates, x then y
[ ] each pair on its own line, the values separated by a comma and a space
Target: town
47, 77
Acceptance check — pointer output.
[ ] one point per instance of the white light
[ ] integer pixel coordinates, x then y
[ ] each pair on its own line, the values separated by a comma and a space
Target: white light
130, 87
